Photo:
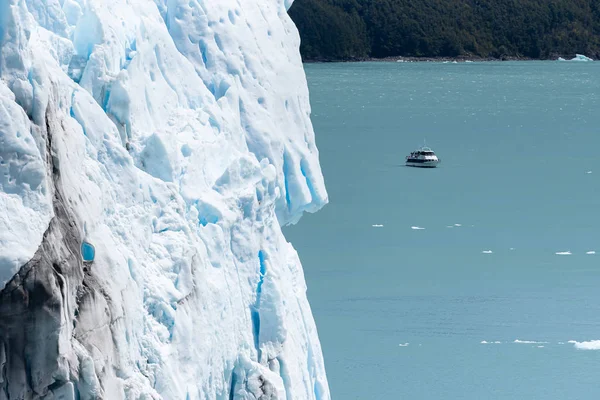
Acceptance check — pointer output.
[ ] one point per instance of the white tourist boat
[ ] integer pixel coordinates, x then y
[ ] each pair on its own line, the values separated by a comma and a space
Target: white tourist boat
423, 157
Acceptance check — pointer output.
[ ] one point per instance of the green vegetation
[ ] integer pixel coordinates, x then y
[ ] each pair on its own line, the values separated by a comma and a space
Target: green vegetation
359, 29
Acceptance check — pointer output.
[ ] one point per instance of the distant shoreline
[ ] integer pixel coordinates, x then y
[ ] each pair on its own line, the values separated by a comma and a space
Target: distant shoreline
458, 59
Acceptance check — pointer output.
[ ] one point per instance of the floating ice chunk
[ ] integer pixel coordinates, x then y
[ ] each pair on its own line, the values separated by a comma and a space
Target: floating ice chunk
457, 224
563, 253
592, 252
512, 248
589, 345
484, 342
540, 347
581, 57
449, 226
578, 57
403, 344
528, 342
487, 252
588, 172
416, 228
561, 342
377, 226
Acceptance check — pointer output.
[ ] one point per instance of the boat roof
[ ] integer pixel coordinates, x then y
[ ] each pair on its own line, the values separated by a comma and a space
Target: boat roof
423, 149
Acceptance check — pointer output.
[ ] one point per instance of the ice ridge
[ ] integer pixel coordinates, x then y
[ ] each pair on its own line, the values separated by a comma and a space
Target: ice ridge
174, 137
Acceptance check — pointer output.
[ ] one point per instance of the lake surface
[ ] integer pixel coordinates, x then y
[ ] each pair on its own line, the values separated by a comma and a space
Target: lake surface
402, 312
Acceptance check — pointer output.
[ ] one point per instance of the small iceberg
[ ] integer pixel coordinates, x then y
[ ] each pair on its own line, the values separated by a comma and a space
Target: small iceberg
528, 342
578, 57
417, 228
590, 253
563, 253
458, 225
377, 226
590, 345
403, 344
487, 252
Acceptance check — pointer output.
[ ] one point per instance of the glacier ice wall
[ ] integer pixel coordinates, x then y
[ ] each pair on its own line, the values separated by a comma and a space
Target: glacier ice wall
175, 137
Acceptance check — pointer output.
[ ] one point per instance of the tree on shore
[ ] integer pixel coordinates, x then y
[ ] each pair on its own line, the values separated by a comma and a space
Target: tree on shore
357, 29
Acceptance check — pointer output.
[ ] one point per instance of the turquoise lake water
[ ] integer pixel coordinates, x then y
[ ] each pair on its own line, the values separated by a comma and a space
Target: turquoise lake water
402, 312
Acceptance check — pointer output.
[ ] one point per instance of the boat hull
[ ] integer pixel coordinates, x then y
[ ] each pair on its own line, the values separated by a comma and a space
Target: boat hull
422, 164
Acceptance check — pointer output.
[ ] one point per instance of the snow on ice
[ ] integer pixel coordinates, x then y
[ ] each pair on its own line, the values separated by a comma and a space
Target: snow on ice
174, 137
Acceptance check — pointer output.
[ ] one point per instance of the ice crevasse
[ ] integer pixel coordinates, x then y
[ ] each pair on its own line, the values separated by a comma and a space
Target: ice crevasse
173, 139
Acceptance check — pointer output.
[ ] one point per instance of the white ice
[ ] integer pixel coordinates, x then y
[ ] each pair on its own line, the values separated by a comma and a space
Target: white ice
589, 345
528, 342
417, 228
563, 253
578, 57
182, 135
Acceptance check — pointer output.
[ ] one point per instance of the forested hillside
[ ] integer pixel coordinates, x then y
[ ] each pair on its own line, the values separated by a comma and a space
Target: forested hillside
358, 29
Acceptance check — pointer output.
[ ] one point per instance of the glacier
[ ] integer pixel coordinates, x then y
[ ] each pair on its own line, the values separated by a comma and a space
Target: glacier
174, 139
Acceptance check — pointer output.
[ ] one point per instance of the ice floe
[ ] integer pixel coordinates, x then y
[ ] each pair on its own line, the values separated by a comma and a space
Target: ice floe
417, 228
528, 342
578, 57
589, 345
563, 253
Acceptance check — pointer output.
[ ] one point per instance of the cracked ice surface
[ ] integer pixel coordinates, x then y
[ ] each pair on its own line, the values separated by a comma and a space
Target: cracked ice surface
180, 132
